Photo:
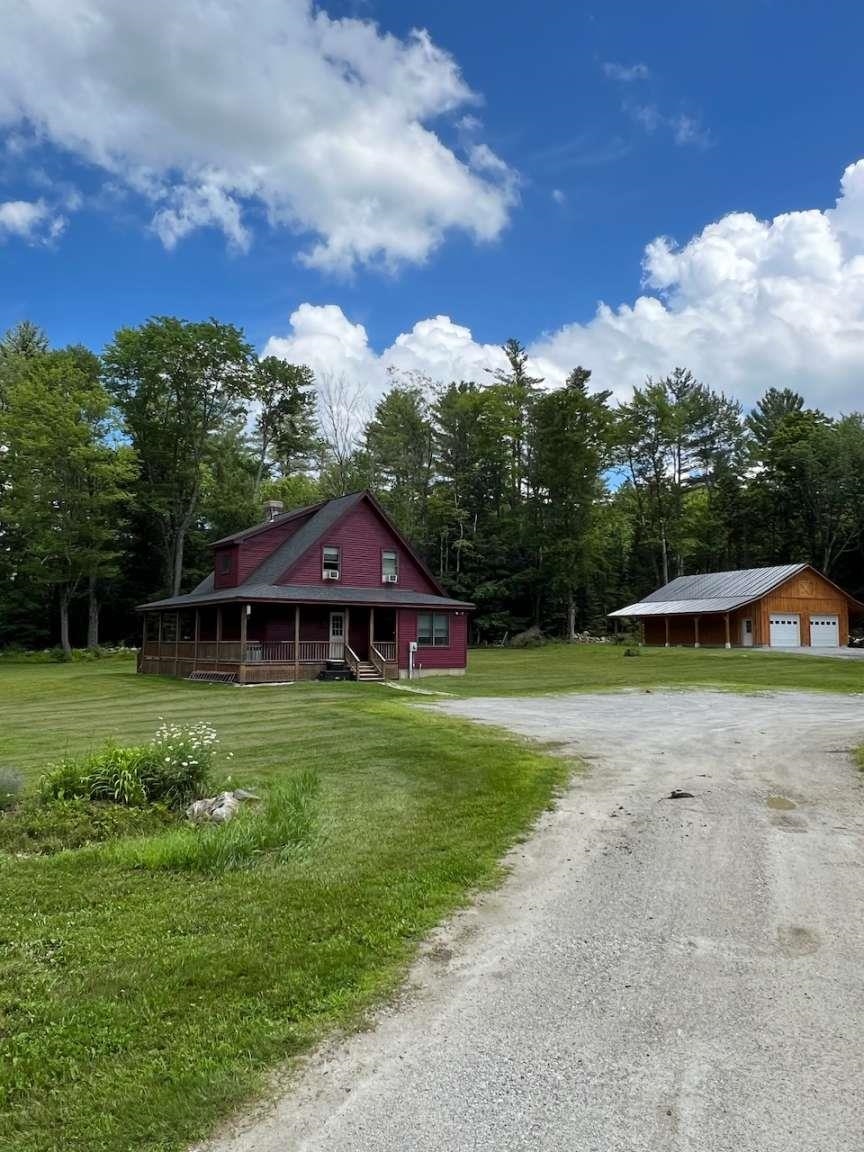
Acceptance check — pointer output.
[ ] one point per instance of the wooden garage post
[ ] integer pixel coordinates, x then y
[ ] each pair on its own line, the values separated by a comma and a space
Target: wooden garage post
241, 676
296, 641
667, 631
696, 632
728, 638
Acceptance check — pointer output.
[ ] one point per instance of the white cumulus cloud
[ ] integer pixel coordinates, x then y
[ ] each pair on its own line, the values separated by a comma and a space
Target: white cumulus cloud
221, 111
746, 304
30, 220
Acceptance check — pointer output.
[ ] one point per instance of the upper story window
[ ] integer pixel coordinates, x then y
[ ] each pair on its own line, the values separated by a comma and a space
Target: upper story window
389, 567
433, 630
224, 563
331, 562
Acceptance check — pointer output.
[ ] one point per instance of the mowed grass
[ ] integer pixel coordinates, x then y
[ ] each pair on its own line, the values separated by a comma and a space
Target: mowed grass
596, 667
137, 1007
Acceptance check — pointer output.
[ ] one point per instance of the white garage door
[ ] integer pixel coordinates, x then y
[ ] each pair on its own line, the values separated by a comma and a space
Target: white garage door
824, 632
785, 630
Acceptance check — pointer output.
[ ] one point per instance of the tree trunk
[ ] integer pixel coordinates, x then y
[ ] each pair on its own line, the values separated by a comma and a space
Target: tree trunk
571, 619
64, 620
92, 614
177, 563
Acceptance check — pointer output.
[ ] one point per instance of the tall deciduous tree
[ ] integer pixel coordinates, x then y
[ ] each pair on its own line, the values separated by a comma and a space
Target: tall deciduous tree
66, 477
571, 431
399, 443
177, 385
286, 432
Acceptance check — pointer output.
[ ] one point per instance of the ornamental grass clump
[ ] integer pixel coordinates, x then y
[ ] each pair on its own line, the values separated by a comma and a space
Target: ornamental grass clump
276, 830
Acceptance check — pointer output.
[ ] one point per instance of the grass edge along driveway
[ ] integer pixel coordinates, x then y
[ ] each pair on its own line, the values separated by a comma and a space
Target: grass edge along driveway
138, 1009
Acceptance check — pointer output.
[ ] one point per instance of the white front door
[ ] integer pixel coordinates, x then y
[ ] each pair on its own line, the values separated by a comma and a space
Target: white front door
747, 633
824, 632
337, 635
785, 630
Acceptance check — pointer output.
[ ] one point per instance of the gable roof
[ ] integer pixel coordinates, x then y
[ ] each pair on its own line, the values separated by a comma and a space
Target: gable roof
287, 554
715, 591
322, 517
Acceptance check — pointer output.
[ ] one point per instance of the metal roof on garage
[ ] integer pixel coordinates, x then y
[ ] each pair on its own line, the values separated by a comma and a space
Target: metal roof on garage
711, 592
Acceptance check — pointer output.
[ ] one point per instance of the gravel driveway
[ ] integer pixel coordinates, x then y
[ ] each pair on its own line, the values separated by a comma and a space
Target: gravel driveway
654, 974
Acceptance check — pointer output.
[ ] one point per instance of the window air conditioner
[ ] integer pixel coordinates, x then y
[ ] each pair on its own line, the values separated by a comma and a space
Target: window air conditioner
330, 574
389, 577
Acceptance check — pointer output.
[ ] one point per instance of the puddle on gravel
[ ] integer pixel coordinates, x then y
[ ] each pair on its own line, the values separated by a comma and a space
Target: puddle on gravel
780, 804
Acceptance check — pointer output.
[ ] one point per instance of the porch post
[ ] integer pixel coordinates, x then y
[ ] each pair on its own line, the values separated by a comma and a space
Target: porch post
371, 627
241, 675
218, 632
728, 638
667, 631
296, 641
176, 642
346, 641
696, 632
197, 634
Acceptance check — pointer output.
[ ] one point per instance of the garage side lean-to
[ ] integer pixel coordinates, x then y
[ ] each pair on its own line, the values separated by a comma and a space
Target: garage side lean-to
788, 606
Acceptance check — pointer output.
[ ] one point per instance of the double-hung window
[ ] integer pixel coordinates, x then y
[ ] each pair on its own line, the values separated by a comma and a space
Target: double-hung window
389, 567
433, 630
331, 562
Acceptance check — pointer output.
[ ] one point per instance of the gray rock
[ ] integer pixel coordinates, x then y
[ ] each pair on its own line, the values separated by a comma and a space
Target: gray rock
218, 809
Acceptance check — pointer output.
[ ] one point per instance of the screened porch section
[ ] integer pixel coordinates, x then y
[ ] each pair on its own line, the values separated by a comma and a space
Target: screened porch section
265, 642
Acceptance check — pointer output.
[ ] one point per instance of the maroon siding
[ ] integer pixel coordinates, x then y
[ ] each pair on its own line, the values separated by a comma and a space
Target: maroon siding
361, 534
254, 551
456, 656
225, 579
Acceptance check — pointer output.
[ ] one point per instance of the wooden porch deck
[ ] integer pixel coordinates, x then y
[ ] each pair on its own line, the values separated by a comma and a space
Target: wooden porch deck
260, 662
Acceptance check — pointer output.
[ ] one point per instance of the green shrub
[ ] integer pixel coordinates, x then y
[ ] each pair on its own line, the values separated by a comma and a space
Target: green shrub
11, 783
174, 768
282, 824
59, 655
35, 828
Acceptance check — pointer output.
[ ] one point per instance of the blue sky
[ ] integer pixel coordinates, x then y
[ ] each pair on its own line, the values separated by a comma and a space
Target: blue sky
570, 137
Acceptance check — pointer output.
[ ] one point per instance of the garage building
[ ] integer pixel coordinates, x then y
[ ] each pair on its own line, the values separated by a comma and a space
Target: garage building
789, 606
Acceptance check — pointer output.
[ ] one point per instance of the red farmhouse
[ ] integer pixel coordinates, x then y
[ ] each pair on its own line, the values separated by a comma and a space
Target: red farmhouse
334, 585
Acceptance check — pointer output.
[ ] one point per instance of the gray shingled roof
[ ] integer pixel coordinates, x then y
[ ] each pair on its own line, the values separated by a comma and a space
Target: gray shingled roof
711, 592
310, 594
261, 584
272, 567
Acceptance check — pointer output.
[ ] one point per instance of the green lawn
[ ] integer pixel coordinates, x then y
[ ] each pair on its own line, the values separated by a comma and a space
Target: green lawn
136, 1006
589, 668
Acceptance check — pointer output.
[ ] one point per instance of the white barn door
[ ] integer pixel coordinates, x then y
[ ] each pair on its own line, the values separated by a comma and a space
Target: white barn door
785, 630
824, 632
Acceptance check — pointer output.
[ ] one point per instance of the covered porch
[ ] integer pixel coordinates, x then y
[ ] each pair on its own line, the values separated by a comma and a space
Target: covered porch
258, 642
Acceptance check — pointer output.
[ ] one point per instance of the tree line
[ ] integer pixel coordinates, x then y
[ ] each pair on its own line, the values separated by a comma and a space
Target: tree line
544, 506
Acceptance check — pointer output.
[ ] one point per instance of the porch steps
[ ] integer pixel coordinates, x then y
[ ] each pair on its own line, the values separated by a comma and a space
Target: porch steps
367, 672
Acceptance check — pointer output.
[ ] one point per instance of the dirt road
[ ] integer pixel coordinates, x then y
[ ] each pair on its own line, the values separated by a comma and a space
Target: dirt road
654, 974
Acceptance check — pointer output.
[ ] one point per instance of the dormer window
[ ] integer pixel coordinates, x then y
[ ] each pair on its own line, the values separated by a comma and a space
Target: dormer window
389, 567
224, 563
331, 562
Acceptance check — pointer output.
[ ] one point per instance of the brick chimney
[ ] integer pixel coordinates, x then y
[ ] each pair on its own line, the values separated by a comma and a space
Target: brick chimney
272, 509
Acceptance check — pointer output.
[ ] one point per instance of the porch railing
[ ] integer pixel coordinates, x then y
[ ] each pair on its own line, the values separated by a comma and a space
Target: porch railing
282, 652
314, 651
386, 649
271, 652
351, 658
